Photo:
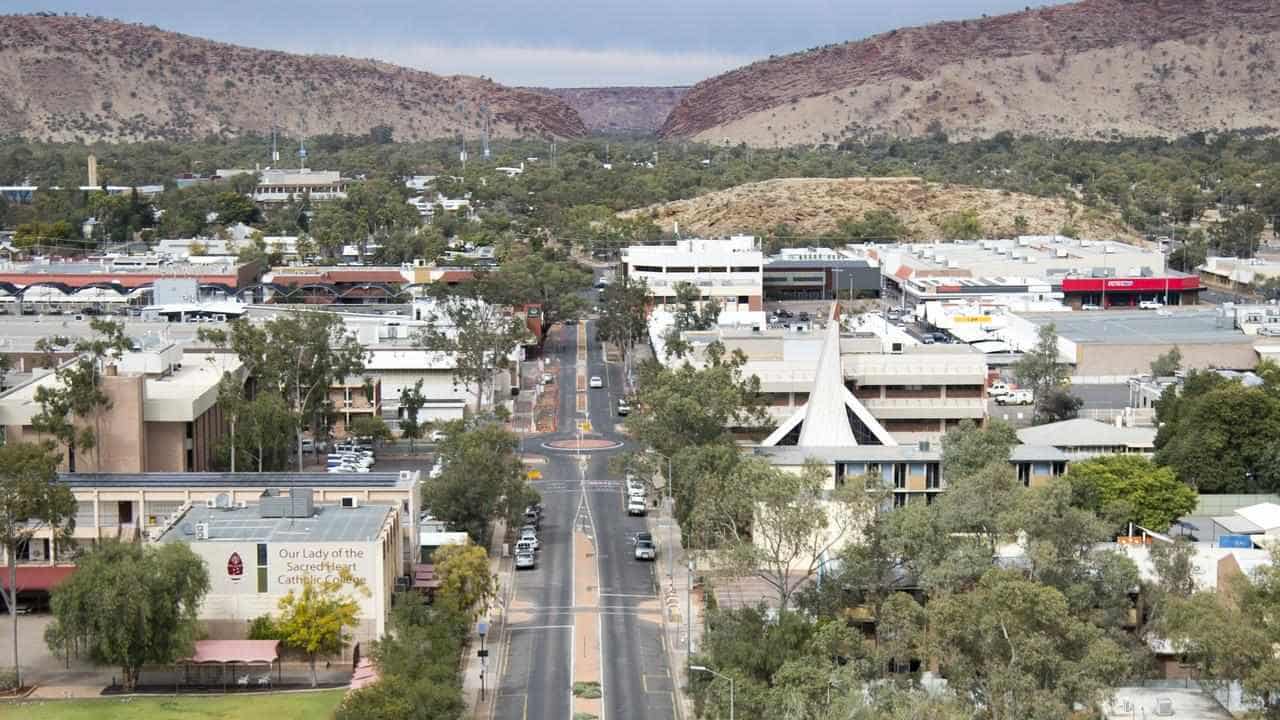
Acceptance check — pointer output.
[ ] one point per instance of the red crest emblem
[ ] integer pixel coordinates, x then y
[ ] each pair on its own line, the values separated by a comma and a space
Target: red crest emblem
235, 567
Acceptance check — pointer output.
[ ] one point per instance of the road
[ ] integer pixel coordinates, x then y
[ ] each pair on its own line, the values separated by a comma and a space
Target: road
555, 620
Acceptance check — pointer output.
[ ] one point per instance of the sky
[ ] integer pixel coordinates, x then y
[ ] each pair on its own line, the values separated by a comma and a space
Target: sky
570, 43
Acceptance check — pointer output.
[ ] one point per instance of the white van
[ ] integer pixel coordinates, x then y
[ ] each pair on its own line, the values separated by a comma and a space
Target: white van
999, 388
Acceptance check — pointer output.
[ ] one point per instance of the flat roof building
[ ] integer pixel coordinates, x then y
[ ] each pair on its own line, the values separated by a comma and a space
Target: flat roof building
728, 270
258, 553
820, 274
282, 186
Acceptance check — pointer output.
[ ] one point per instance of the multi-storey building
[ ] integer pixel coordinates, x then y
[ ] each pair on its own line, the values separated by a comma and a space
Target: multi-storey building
729, 271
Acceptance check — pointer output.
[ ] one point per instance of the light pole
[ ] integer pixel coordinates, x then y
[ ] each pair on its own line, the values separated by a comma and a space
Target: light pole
705, 669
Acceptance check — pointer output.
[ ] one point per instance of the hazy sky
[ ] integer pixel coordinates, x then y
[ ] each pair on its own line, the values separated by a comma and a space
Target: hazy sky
527, 42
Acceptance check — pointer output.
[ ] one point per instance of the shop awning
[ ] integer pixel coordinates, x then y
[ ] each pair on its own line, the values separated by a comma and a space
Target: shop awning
37, 577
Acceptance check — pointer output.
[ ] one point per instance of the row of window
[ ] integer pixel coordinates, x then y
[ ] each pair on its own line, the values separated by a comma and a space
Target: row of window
692, 269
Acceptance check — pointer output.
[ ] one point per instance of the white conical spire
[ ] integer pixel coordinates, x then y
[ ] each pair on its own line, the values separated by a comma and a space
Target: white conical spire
826, 423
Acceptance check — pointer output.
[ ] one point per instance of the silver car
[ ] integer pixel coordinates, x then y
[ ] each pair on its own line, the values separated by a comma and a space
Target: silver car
526, 561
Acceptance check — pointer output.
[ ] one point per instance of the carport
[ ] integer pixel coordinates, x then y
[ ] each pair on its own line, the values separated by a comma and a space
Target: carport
215, 662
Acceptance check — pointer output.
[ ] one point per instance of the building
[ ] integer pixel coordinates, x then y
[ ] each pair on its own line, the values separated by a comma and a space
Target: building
163, 414
354, 398
1082, 438
282, 186
1237, 275
113, 279
134, 506
896, 387
257, 553
729, 271
820, 274
1101, 273
322, 285
1120, 345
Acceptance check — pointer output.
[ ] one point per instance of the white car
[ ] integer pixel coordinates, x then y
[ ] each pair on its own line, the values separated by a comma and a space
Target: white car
999, 388
530, 538
526, 561
1016, 397
548, 378
596, 382
637, 506
1149, 305
524, 546
1090, 306
646, 550
438, 436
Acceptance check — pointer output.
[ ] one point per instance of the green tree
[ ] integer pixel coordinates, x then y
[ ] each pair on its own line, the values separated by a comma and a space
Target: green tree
683, 406
466, 584
371, 428
1014, 647
233, 207
548, 279
479, 336
1239, 234
370, 214
31, 500
315, 619
1217, 434
879, 224
265, 433
1041, 369
1131, 488
690, 312
411, 403
1167, 364
963, 225
624, 316
967, 448
795, 525
482, 480
131, 605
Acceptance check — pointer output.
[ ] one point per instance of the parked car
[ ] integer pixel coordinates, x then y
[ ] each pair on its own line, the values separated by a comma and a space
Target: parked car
637, 506
524, 546
624, 409
530, 537
526, 561
644, 537
646, 550
532, 518
998, 388
596, 382
548, 378
438, 436
1016, 397
1149, 305
1090, 306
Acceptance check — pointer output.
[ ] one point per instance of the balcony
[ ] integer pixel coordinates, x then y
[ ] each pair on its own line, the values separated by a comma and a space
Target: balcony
926, 408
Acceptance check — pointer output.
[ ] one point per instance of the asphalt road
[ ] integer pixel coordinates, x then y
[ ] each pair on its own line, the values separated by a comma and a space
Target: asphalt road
579, 491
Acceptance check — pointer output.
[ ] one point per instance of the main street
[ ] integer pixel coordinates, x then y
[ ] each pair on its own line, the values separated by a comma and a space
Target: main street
589, 611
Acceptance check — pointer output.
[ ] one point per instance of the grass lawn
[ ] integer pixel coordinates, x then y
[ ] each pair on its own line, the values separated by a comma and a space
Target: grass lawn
282, 706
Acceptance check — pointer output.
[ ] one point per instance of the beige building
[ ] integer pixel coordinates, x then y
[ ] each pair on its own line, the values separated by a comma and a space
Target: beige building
257, 553
163, 413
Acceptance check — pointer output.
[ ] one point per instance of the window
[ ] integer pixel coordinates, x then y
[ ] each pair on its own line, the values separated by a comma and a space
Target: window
899, 500
743, 300
899, 476
647, 268
839, 474
262, 567
680, 269
1024, 473
932, 480
713, 269
262, 554
745, 269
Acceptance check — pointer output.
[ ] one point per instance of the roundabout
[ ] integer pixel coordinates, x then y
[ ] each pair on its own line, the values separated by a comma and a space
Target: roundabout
583, 445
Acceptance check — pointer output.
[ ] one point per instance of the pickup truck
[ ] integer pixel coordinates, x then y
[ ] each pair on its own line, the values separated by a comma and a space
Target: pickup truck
1015, 397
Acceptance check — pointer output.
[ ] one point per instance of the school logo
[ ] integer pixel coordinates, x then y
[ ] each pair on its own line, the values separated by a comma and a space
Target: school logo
235, 567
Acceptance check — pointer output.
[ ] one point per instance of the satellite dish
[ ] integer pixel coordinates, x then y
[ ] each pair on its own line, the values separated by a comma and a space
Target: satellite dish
223, 500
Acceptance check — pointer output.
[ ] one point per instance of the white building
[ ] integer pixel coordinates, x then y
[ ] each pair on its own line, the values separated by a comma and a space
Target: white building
281, 186
729, 270
256, 554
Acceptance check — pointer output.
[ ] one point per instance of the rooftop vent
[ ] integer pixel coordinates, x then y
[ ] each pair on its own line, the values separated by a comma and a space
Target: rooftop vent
299, 503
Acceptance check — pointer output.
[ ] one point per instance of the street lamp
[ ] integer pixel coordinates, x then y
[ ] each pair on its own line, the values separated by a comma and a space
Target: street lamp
705, 669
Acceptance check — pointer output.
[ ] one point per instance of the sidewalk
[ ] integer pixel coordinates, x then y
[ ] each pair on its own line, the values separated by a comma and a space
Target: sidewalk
480, 672
681, 600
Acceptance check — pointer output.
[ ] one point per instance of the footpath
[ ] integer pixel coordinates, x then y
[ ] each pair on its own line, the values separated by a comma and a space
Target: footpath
479, 675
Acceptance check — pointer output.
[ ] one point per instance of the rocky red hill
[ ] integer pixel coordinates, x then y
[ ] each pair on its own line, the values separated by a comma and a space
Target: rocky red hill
1090, 69
622, 110
69, 78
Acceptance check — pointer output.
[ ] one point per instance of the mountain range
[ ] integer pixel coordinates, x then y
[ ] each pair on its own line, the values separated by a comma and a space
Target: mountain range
1095, 69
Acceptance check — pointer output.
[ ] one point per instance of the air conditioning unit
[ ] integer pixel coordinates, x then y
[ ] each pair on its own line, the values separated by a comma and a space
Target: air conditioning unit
350, 501
211, 502
202, 531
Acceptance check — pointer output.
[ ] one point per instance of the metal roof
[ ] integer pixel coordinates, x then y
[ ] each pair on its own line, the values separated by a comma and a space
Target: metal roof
1086, 432
1139, 327
330, 523
231, 480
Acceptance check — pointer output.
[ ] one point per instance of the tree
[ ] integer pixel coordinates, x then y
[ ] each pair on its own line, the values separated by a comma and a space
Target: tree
1042, 370
411, 403
466, 585
31, 500
297, 357
479, 336
684, 406
1218, 435
691, 312
964, 225
265, 433
794, 524
372, 428
876, 224
131, 605
1130, 488
548, 279
1014, 647
1167, 364
1059, 404
233, 207
967, 448
482, 480
624, 316
315, 620
1239, 234
371, 213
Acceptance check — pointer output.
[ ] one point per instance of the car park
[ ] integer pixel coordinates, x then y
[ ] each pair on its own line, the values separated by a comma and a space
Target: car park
596, 382
646, 550
636, 506
526, 561
1015, 397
